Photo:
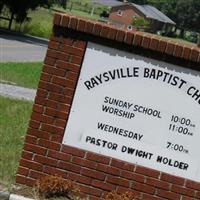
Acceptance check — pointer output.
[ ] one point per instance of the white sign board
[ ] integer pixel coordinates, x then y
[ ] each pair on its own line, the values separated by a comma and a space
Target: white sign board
138, 110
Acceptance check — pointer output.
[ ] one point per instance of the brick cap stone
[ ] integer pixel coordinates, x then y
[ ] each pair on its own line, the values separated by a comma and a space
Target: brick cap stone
133, 38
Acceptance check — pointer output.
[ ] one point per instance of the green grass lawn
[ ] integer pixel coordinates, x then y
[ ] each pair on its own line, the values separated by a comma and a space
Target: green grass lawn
21, 74
14, 117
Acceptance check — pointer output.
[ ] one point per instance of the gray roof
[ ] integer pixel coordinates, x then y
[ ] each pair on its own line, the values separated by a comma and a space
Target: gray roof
153, 13
109, 3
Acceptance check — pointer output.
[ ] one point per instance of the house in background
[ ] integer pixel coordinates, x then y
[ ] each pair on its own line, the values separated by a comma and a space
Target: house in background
123, 14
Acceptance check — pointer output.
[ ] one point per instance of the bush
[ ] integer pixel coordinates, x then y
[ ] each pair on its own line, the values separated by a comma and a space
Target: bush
53, 186
125, 196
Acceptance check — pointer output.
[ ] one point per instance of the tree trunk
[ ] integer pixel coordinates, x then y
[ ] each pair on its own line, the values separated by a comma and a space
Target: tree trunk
11, 20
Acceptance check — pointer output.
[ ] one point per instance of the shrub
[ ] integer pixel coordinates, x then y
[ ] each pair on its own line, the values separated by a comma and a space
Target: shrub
125, 196
53, 186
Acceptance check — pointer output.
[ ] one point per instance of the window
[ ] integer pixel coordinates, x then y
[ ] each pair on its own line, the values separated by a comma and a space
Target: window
119, 13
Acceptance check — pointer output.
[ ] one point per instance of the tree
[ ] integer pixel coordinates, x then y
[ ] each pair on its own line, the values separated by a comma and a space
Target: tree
188, 15
19, 8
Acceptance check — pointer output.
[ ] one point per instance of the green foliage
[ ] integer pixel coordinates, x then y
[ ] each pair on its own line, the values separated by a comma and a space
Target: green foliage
14, 117
139, 22
23, 74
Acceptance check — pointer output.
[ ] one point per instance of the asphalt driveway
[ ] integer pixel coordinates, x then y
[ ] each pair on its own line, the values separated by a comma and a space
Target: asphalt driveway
17, 48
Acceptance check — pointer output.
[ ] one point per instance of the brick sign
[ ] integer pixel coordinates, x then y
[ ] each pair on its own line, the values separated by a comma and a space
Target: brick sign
116, 110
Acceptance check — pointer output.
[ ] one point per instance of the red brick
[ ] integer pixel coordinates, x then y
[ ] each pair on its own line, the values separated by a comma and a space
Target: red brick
72, 50
197, 195
133, 176
69, 92
54, 71
157, 183
69, 66
138, 39
57, 138
108, 169
52, 53
23, 171
187, 198
69, 167
146, 42
52, 129
89, 27
120, 36
172, 179
168, 195
45, 77
50, 87
93, 174
53, 45
90, 190
60, 123
182, 190
31, 165
195, 54
49, 61
34, 124
42, 93
84, 163
35, 149
45, 161
178, 51
56, 113
193, 185
25, 180
105, 31
129, 38
118, 181
49, 144
154, 44
97, 158
72, 76
97, 29
76, 60
80, 179
162, 46
122, 165
57, 19
170, 48
54, 171
38, 108
30, 139
73, 151
65, 21
59, 155
60, 98
80, 44
147, 171
143, 188
35, 174
186, 53
73, 23
41, 118
27, 155
102, 185
81, 25
38, 133
112, 34
150, 197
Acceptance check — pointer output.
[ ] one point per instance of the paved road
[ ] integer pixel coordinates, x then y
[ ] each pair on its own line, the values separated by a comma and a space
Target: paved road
15, 48
17, 92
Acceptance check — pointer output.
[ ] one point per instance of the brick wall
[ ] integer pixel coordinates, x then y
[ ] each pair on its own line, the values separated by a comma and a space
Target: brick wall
43, 152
